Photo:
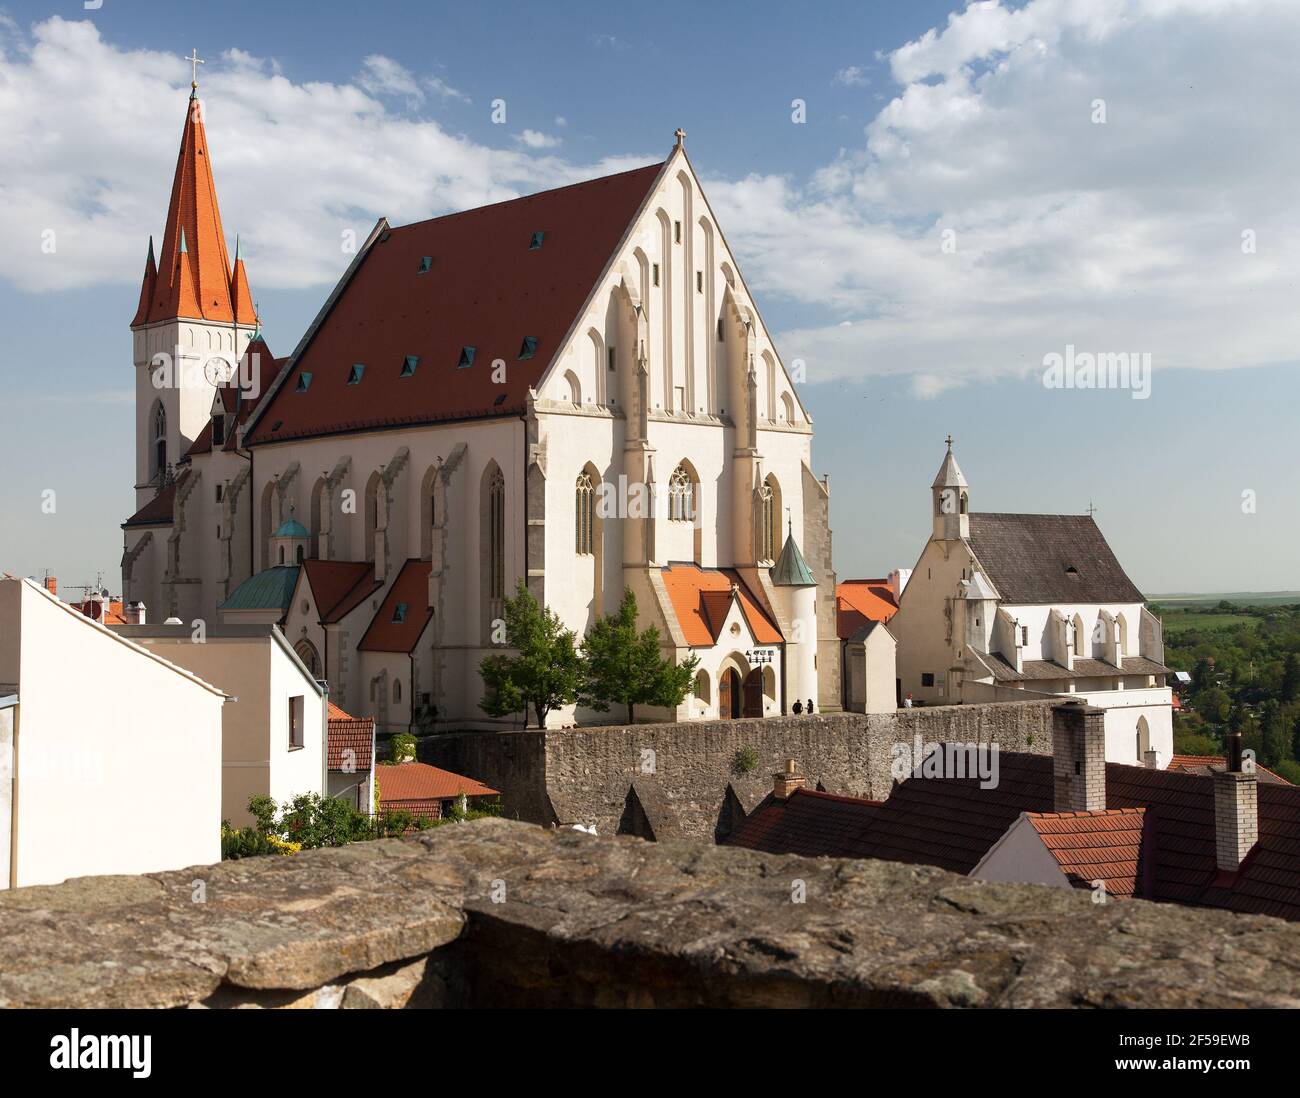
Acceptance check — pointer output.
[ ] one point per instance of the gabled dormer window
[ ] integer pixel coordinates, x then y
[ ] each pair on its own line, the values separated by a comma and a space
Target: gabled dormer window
529, 347
409, 363
399, 613
304, 382
426, 262
535, 241
355, 374
219, 430
466, 358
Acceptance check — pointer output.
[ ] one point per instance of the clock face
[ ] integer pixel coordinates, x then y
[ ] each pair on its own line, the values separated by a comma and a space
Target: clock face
217, 370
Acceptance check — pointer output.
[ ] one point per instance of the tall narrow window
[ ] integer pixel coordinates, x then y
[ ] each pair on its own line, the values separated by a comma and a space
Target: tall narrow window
655, 273
296, 721
584, 515
677, 232
159, 443
681, 495
611, 356
767, 536
497, 536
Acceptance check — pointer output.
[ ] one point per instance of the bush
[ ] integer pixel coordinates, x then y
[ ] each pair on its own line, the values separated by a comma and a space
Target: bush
1288, 769
744, 760
402, 747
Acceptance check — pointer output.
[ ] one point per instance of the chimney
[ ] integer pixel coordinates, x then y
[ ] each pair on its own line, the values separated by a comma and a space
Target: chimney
1078, 757
51, 584
787, 781
133, 613
1149, 760
1236, 809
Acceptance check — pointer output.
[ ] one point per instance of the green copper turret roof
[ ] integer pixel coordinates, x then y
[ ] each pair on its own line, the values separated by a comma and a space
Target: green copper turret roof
790, 569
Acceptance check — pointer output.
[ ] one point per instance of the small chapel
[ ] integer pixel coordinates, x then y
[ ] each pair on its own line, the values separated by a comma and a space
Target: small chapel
573, 389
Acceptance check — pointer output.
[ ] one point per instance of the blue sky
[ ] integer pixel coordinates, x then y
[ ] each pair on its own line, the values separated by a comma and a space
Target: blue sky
922, 119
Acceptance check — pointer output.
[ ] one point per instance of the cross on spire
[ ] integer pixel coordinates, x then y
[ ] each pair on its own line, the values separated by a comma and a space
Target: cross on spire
195, 61
948, 440
1092, 510
680, 134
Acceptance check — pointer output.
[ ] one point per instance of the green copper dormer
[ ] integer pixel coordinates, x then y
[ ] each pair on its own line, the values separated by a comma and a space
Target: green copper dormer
790, 569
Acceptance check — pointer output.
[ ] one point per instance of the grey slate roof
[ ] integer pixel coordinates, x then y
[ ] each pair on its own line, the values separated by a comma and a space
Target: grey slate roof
1035, 559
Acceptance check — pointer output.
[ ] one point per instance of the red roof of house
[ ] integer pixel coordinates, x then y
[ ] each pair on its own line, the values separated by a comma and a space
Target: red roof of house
701, 598
94, 609
952, 823
415, 781
807, 822
858, 602
347, 732
1095, 846
339, 585
485, 288
386, 633
158, 511
1202, 764
193, 277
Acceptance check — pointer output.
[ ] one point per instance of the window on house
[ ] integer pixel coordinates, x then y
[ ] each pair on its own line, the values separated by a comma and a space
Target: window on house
677, 232
699, 282
297, 720
584, 514
927, 678
281, 554
397, 690
528, 348
722, 331
409, 363
497, 536
218, 430
654, 273
304, 382
218, 493
466, 358
298, 554
611, 356
1024, 636
535, 241
354, 375
426, 262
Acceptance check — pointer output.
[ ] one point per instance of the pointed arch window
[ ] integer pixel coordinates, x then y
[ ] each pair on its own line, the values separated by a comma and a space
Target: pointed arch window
159, 442
681, 495
584, 502
769, 519
497, 535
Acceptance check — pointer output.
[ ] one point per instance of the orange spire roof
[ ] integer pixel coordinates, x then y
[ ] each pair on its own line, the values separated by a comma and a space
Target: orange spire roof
147, 287
194, 277
240, 295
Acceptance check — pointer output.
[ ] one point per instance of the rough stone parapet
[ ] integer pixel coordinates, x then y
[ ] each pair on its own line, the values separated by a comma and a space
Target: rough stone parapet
496, 913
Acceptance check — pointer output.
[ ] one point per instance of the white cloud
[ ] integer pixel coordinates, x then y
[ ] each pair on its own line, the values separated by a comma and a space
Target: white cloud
1122, 236
853, 76
534, 139
296, 164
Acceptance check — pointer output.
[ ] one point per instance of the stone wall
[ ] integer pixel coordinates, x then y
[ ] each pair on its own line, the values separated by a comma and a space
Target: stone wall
585, 775
495, 913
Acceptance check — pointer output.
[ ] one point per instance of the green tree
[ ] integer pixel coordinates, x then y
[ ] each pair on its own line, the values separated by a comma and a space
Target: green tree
1290, 689
626, 667
544, 674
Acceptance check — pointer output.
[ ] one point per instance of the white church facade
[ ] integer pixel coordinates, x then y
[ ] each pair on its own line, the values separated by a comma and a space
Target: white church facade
574, 389
1010, 607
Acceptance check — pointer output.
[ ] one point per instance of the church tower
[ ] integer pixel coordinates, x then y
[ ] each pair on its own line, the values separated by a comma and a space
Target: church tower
194, 319
950, 500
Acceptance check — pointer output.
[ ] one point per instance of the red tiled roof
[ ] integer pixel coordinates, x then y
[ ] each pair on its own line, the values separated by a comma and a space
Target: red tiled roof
1201, 764
415, 781
807, 822
485, 288
196, 282
412, 588
158, 511
701, 597
93, 608
1095, 846
952, 823
860, 601
339, 585
354, 733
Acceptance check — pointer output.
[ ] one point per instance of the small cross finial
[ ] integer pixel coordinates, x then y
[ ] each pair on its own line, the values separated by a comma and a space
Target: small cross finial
195, 61
948, 440
680, 134
1092, 510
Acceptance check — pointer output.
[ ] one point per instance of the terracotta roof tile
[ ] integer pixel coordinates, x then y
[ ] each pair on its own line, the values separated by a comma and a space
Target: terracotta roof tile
1092, 846
386, 633
415, 781
158, 511
858, 602
701, 597
1202, 764
484, 288
807, 822
350, 733
339, 585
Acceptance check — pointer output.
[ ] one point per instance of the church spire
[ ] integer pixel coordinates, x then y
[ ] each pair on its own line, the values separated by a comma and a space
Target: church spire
147, 286
194, 275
